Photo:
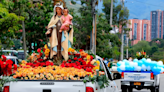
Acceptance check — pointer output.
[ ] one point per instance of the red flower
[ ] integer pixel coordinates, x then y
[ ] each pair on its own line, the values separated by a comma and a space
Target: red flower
91, 57
38, 50
80, 59
67, 64
35, 61
79, 67
15, 67
9, 67
40, 54
62, 65
10, 62
51, 63
44, 50
4, 57
77, 55
69, 53
69, 60
81, 50
75, 58
88, 69
40, 60
47, 63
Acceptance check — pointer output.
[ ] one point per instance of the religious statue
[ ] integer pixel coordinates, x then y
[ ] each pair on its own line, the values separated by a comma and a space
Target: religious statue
59, 40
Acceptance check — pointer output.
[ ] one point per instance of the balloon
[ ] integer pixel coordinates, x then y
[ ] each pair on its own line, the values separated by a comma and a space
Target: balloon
148, 68
118, 69
124, 60
160, 62
138, 68
140, 63
135, 64
122, 67
127, 62
135, 60
127, 68
119, 63
143, 68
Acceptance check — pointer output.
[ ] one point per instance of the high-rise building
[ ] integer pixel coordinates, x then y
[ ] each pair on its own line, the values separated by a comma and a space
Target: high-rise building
140, 30
157, 24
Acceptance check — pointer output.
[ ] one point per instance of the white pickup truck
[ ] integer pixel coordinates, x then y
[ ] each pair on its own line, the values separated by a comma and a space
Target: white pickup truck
61, 85
139, 80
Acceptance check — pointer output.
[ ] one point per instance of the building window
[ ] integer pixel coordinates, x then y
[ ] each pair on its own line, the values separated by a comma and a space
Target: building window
145, 29
135, 31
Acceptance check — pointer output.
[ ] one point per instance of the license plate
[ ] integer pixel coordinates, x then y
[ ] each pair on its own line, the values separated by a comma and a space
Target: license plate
46, 90
137, 83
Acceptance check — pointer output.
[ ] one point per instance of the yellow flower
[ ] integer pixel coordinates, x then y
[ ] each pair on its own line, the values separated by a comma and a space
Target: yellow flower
26, 78
70, 49
45, 46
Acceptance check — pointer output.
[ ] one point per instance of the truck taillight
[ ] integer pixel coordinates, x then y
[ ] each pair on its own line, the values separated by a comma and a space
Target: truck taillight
122, 75
152, 76
6, 89
89, 89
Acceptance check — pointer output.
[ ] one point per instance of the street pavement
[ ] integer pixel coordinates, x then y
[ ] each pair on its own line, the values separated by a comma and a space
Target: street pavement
119, 87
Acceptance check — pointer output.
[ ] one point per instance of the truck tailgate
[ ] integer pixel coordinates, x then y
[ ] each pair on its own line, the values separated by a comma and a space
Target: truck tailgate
137, 76
47, 86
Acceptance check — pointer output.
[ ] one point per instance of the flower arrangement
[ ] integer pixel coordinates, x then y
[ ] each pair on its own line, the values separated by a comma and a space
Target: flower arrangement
140, 55
80, 66
7, 66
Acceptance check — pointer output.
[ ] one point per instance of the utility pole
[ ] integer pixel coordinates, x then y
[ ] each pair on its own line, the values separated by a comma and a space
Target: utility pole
94, 27
24, 39
127, 39
122, 37
111, 12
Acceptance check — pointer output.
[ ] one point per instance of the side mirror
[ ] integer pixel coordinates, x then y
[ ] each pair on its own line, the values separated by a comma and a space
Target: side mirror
116, 76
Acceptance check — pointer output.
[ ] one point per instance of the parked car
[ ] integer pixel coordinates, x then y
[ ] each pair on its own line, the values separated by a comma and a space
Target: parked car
14, 59
61, 85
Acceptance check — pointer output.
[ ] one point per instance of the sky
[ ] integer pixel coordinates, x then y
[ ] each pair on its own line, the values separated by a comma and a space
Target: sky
139, 8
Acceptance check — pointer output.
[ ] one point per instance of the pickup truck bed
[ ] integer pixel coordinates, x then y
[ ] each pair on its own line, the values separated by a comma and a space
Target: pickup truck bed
47, 86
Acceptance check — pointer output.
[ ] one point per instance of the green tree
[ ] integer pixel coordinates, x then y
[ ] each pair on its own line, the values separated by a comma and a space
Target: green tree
9, 26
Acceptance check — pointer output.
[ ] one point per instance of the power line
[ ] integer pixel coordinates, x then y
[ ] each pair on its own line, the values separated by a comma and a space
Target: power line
147, 3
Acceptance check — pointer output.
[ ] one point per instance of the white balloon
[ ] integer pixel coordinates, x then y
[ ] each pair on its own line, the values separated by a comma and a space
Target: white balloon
135, 64
138, 68
143, 67
148, 68
162, 70
122, 67
160, 62
131, 63
148, 60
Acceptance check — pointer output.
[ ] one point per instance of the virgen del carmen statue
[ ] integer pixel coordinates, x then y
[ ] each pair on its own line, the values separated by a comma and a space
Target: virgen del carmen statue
60, 32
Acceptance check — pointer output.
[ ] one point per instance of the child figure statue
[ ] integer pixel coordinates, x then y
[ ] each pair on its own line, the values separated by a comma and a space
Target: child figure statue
67, 20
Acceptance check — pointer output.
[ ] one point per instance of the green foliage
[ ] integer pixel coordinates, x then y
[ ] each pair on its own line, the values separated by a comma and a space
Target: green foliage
153, 49
6, 79
9, 26
102, 80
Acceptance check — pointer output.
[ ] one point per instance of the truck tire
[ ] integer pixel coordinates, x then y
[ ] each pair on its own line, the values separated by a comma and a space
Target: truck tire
130, 89
124, 88
152, 90
157, 89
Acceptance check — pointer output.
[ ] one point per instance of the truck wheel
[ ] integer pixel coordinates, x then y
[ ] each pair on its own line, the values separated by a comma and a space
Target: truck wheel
157, 89
130, 89
124, 88
153, 89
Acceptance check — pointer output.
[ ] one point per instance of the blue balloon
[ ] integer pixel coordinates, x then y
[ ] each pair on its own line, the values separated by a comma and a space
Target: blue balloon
118, 69
124, 60
140, 63
127, 68
153, 63
118, 63
143, 59
135, 60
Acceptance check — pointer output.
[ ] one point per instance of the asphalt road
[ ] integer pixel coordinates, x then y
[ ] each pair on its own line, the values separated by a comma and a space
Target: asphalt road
119, 86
